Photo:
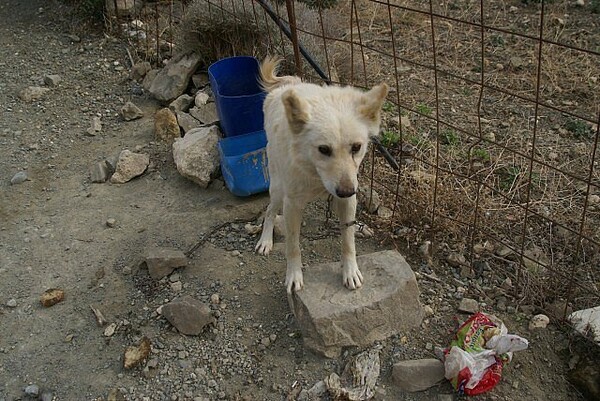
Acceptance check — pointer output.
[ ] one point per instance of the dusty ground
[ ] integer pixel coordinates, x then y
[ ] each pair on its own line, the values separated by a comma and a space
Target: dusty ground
53, 233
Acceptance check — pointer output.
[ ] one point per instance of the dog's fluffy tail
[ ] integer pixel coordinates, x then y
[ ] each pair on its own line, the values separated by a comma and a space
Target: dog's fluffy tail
268, 75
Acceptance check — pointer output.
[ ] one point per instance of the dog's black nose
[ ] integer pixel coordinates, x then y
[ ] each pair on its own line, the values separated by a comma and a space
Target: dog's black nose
344, 193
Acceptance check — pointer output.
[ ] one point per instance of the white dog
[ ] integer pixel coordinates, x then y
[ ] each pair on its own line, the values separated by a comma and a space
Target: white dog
317, 138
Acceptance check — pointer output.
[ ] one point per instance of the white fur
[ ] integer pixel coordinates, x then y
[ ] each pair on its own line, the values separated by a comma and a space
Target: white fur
301, 119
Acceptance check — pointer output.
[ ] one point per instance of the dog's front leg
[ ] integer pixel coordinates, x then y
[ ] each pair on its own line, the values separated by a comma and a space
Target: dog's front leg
346, 211
292, 214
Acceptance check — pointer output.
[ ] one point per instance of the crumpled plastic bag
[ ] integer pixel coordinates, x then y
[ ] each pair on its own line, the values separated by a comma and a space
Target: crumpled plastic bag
482, 345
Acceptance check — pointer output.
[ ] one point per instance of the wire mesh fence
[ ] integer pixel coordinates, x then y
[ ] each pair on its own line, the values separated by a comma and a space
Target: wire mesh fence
493, 119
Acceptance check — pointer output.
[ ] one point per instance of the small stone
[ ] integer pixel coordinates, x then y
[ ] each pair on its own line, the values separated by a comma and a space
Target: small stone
506, 284
207, 114
516, 62
188, 315
215, 299
166, 127
162, 261
74, 38
52, 79
384, 212
200, 80
266, 341
428, 311
425, 251
46, 396
468, 305
553, 156
418, 375
593, 199
503, 251
539, 322
580, 3
11, 303
129, 166
96, 125
32, 390
19, 178
110, 330
52, 297
182, 103
176, 286
131, 112
32, 93
134, 355
252, 229
187, 122
111, 222
139, 70
100, 172
201, 99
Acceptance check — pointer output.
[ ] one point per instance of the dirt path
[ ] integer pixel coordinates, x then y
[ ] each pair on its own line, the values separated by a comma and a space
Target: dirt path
53, 233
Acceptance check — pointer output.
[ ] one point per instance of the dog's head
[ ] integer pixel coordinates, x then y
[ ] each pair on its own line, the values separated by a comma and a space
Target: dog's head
333, 128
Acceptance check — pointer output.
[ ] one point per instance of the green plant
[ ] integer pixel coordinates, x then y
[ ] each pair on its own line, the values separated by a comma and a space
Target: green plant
424, 109
390, 138
579, 129
481, 154
450, 137
508, 177
388, 106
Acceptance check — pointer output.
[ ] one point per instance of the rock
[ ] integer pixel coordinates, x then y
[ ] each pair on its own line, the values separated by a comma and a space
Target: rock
188, 315
11, 303
100, 172
384, 212
110, 330
123, 8
201, 98
95, 127
187, 122
315, 393
149, 78
166, 127
535, 260
19, 178
182, 103
587, 322
468, 305
456, 259
111, 223
417, 375
32, 93
134, 355
129, 166
215, 299
162, 261
421, 177
428, 311
359, 379
196, 155
207, 113
516, 62
593, 199
503, 251
74, 38
539, 322
331, 316
176, 286
173, 79
370, 199
580, 3
131, 112
32, 390
47, 396
139, 70
115, 395
52, 296
52, 79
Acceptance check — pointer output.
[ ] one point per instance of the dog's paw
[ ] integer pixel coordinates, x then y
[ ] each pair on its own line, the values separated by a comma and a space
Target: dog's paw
294, 280
264, 247
352, 277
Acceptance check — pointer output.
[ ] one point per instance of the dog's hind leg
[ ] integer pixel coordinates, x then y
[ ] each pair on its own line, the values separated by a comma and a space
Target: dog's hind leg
292, 215
346, 210
265, 244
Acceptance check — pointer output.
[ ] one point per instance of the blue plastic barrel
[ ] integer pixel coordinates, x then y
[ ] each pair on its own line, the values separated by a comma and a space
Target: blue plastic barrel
244, 163
238, 95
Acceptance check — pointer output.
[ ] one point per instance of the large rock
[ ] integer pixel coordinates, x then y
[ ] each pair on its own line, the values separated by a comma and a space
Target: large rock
131, 112
331, 316
418, 375
182, 103
174, 78
166, 128
587, 322
162, 261
188, 315
129, 166
197, 156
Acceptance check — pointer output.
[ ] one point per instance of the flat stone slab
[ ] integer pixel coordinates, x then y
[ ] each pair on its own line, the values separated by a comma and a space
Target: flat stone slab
332, 317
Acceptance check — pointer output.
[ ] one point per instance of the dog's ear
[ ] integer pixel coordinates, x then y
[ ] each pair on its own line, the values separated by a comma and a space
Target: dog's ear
296, 110
371, 103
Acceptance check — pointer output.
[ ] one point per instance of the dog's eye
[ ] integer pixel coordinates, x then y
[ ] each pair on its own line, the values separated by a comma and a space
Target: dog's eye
356, 148
325, 150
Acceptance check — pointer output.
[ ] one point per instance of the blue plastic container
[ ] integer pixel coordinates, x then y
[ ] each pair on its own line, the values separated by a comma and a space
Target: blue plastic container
244, 163
238, 95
